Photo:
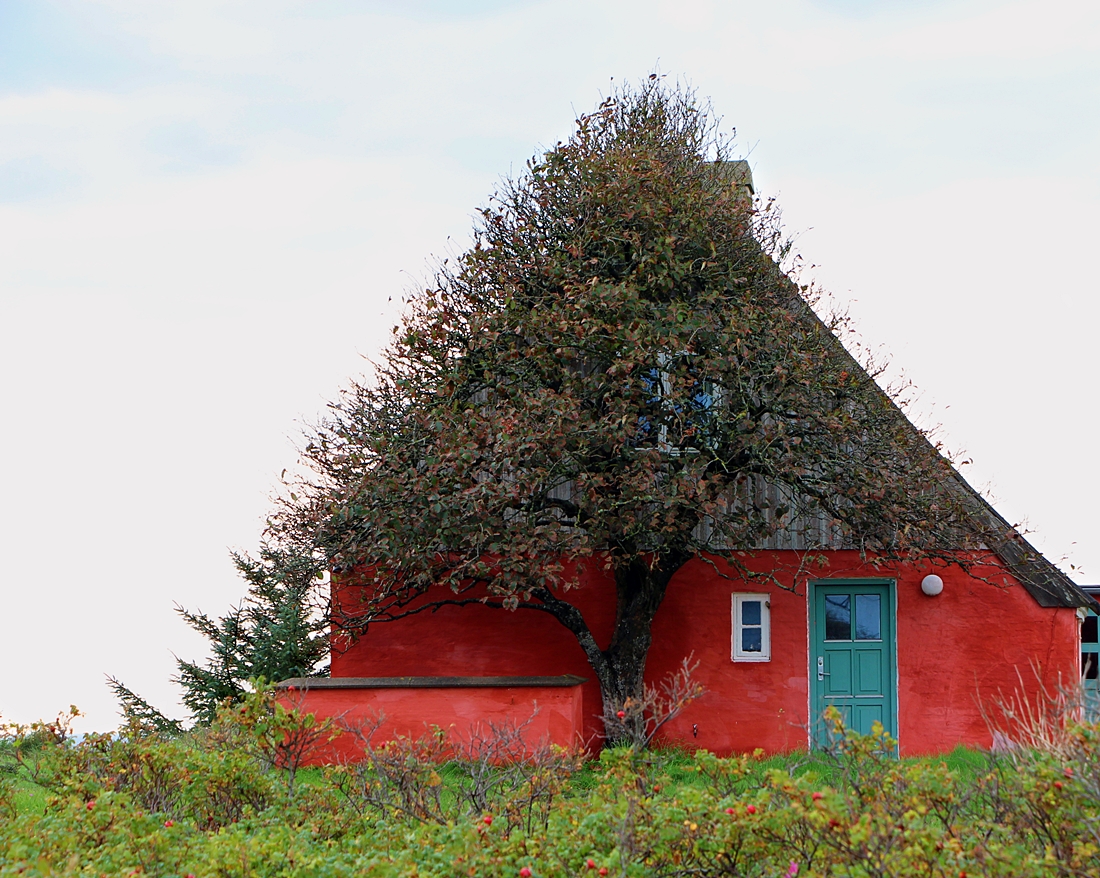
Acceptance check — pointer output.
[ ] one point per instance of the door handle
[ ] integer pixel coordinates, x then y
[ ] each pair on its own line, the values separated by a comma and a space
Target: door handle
821, 675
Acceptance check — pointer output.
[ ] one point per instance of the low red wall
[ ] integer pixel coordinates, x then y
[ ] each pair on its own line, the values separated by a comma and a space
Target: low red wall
982, 636
549, 714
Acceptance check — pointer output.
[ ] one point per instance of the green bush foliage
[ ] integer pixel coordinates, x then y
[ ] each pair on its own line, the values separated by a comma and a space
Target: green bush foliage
219, 801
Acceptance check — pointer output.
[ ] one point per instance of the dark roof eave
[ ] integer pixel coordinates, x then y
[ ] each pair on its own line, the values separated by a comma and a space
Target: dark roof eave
1048, 585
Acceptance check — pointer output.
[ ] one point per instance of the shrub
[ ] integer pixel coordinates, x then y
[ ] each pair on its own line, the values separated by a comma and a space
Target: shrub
441, 777
489, 802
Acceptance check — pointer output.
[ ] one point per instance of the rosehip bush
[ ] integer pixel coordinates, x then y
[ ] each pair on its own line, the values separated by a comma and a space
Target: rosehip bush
139, 804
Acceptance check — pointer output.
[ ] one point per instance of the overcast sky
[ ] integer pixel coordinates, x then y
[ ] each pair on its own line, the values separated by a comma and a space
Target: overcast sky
206, 209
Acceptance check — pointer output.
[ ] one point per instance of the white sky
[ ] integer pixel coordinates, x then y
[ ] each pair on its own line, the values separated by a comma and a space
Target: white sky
205, 209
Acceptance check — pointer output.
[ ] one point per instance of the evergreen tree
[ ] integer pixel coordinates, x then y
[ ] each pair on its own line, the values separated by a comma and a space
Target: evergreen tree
275, 633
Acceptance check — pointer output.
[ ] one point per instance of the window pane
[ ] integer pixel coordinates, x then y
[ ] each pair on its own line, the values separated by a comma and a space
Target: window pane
751, 640
750, 612
867, 617
1089, 668
838, 617
1088, 630
703, 399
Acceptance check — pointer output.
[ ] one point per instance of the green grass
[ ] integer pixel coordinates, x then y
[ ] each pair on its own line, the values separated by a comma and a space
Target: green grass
26, 795
963, 761
29, 797
680, 767
676, 767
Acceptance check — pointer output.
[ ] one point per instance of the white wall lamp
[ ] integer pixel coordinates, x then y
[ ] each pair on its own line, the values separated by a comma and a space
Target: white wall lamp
931, 585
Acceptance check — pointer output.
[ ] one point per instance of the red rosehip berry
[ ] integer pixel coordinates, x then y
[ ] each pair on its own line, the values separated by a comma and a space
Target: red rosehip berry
817, 797
524, 872
751, 809
603, 870
730, 811
1068, 772
169, 824
621, 714
90, 805
488, 819
1057, 785
590, 863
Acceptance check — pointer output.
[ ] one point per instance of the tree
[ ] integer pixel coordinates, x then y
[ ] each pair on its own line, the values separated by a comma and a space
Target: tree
273, 634
601, 379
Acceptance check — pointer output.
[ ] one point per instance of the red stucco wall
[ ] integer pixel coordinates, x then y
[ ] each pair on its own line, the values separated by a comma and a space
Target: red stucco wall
413, 712
980, 637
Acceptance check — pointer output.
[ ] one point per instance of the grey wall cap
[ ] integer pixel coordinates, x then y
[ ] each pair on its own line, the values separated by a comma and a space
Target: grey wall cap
563, 682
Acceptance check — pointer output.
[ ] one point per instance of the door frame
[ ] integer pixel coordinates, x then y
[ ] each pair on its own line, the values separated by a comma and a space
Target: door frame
812, 585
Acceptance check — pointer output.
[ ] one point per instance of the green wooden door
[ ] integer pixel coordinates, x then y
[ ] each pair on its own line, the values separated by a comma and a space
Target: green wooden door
852, 654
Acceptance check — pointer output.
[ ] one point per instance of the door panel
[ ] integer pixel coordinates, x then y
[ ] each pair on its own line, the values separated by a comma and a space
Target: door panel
866, 715
838, 663
869, 679
852, 654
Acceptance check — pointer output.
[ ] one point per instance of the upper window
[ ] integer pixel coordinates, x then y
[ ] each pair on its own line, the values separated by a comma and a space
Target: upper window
684, 406
752, 640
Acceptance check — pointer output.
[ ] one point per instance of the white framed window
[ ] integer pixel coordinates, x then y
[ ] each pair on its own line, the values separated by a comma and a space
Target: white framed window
694, 407
752, 629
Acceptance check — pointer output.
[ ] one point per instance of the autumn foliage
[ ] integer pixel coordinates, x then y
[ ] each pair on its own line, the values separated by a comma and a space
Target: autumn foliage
215, 802
600, 380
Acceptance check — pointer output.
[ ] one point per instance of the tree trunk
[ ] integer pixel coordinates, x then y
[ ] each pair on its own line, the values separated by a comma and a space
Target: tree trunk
639, 590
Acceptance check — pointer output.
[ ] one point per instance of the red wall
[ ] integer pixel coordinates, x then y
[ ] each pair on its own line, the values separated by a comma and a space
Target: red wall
975, 640
412, 713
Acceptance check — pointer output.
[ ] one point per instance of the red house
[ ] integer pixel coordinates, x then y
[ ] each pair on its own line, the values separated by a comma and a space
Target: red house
919, 647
